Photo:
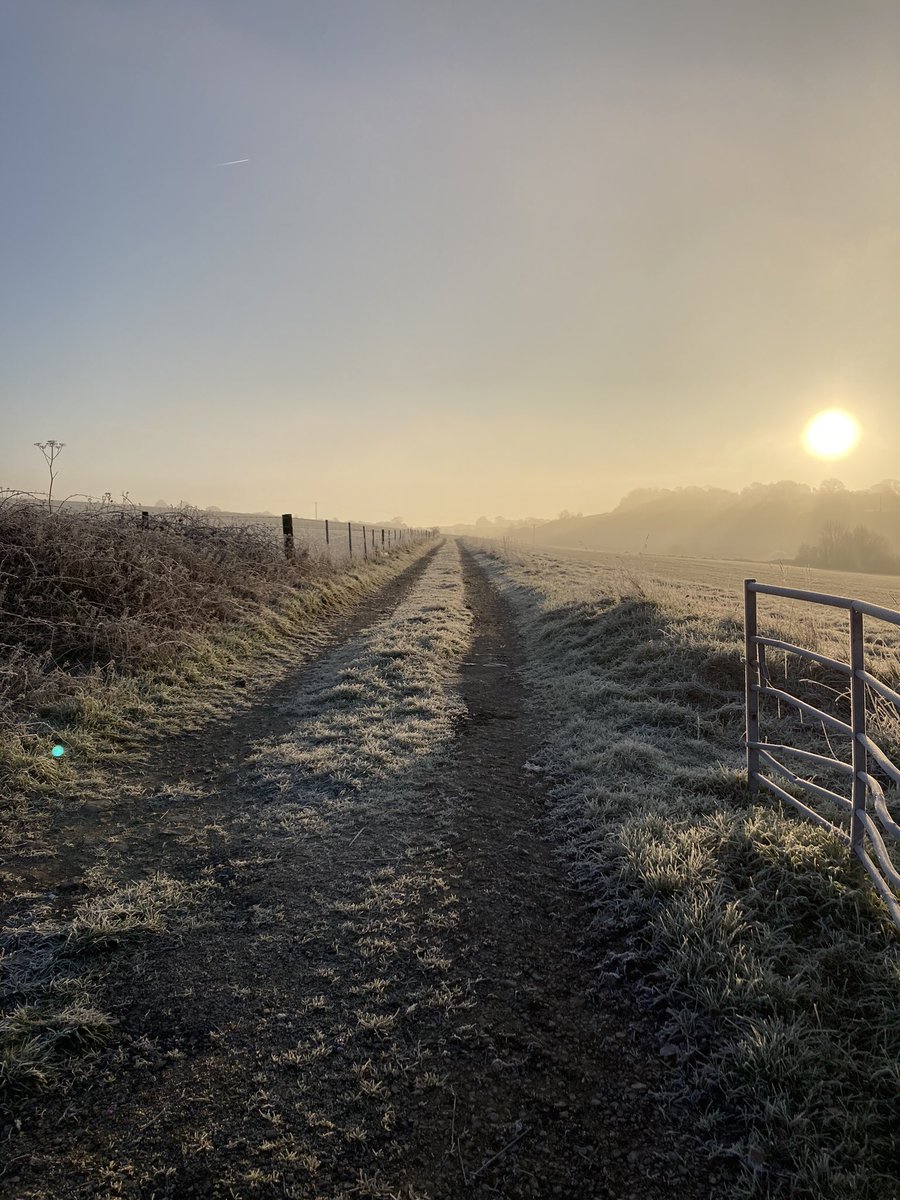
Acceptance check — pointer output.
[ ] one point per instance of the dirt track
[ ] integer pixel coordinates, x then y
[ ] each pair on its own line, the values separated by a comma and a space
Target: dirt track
389, 992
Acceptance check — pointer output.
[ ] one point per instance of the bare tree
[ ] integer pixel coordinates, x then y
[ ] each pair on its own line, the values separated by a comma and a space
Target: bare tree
51, 451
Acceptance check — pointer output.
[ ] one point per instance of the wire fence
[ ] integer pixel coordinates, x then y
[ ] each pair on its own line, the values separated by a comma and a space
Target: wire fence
343, 540
330, 538
336, 540
861, 819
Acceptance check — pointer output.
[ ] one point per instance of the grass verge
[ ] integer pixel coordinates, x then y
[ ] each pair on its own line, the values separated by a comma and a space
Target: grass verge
380, 708
107, 628
769, 959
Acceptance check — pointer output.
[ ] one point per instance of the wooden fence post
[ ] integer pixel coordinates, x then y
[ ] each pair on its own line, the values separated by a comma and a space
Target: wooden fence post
365, 545
287, 529
145, 520
327, 538
350, 538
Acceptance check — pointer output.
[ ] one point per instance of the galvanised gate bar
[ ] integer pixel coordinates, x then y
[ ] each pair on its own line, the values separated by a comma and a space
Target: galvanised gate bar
870, 819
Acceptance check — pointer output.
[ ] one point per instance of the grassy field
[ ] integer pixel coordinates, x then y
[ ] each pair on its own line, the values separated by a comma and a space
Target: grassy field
725, 574
763, 947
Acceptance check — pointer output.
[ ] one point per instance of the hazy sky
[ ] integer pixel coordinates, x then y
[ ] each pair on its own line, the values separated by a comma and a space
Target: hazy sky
487, 256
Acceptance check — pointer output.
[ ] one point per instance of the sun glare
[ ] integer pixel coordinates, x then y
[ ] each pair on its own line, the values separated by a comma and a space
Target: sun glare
831, 434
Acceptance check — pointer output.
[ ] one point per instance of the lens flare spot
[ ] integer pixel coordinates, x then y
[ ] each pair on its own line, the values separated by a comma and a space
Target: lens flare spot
58, 751
831, 434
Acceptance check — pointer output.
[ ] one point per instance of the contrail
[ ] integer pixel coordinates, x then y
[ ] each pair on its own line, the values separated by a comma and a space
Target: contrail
233, 162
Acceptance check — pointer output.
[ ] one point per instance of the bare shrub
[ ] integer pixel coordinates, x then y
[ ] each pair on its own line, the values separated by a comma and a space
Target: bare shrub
92, 587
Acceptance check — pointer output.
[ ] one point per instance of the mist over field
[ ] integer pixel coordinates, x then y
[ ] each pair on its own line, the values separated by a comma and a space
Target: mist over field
828, 526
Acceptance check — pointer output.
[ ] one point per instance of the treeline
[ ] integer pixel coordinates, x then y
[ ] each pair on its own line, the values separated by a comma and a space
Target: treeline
831, 491
843, 549
829, 525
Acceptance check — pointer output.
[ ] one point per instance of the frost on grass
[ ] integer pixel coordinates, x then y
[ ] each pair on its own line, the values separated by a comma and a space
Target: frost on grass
750, 928
51, 971
370, 898
108, 628
376, 710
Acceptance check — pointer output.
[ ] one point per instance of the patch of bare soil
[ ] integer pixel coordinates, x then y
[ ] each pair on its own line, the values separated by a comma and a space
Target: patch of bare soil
393, 1006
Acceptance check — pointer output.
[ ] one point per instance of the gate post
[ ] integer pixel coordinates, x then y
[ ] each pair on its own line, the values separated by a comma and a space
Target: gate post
751, 682
858, 723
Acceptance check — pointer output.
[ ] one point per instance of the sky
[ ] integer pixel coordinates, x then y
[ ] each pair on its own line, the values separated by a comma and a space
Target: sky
486, 256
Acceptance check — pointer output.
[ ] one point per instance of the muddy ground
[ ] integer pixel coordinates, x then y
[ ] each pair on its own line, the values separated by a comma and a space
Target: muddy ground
397, 1004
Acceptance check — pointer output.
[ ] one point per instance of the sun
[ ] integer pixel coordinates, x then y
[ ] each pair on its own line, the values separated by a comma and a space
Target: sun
831, 434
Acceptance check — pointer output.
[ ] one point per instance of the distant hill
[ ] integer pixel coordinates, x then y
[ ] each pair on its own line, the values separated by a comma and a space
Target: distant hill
764, 521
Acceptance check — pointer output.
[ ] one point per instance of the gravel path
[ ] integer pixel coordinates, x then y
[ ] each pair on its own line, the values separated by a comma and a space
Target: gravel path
386, 992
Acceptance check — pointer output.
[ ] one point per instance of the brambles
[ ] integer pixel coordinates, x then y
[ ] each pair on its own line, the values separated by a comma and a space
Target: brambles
92, 588
89, 599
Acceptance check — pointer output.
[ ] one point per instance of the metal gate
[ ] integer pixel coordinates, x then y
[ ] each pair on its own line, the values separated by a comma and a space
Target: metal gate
870, 820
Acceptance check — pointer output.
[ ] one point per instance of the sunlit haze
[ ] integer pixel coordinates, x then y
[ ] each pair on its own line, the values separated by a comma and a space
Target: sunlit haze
446, 260
831, 434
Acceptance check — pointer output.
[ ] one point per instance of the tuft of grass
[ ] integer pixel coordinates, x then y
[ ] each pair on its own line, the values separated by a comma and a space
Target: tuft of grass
51, 969
128, 912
